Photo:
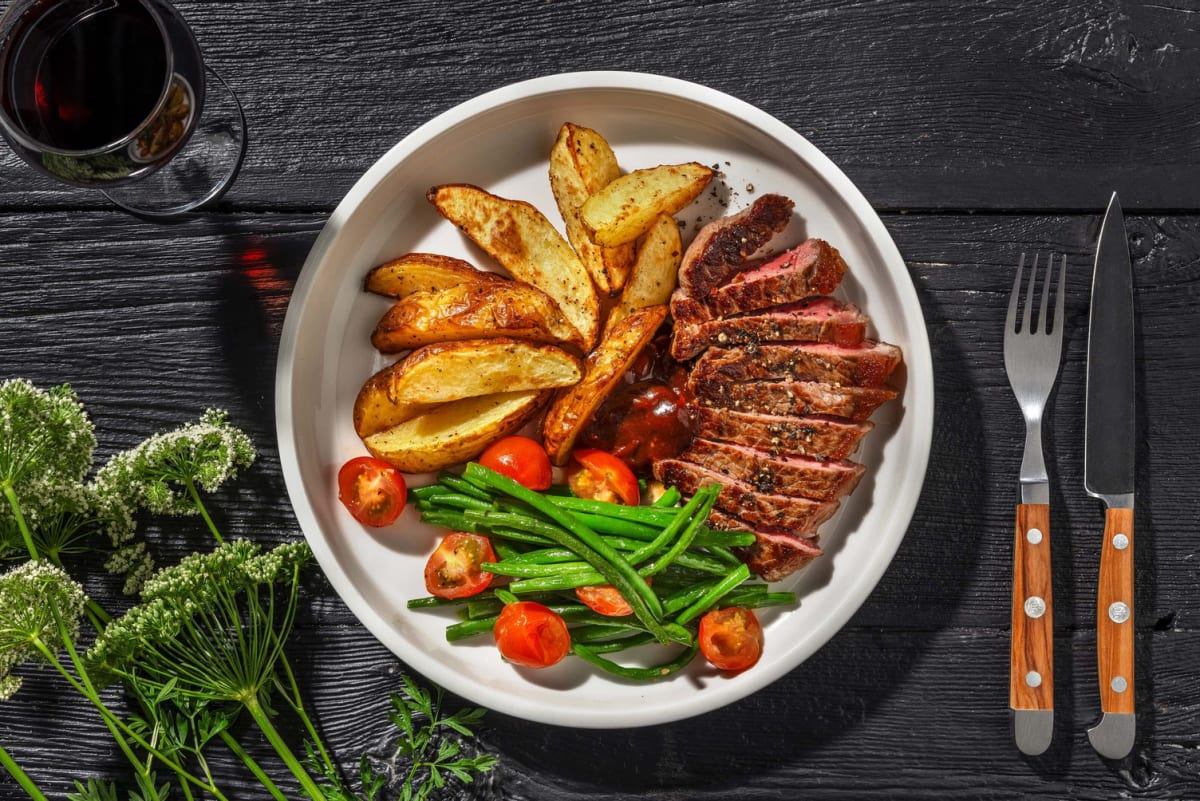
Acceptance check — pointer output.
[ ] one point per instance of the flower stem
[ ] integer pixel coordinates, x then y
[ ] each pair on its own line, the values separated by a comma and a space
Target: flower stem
236, 747
272, 734
26, 534
21, 776
191, 487
296, 701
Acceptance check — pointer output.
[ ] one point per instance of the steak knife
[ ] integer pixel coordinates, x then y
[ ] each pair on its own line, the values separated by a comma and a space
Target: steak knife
1109, 443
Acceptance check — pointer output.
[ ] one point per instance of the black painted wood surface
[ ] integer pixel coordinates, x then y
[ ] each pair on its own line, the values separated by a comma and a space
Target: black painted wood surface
977, 129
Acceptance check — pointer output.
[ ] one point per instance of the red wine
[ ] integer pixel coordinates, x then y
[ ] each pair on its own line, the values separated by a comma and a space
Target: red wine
95, 78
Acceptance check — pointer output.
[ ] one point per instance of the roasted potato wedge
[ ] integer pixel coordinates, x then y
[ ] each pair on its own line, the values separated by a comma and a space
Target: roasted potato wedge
654, 273
602, 373
627, 207
524, 242
473, 310
428, 272
454, 432
374, 409
581, 164
450, 371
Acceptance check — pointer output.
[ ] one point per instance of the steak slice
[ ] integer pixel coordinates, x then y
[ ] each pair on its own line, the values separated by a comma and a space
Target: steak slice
819, 319
774, 554
782, 512
721, 248
865, 365
797, 476
792, 397
814, 267
821, 437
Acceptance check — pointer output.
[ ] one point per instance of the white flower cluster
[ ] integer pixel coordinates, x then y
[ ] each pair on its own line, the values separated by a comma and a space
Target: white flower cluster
46, 442
34, 598
189, 597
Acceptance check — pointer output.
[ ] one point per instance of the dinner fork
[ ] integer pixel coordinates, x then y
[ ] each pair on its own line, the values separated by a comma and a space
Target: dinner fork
1032, 353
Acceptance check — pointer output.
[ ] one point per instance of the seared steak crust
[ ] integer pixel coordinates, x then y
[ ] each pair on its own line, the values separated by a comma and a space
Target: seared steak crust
722, 247
765, 510
813, 268
796, 476
819, 319
866, 365
774, 554
818, 437
792, 397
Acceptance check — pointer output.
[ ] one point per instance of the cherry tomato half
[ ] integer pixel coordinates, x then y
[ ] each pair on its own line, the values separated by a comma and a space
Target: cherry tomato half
731, 639
372, 490
600, 475
531, 635
604, 599
453, 569
520, 458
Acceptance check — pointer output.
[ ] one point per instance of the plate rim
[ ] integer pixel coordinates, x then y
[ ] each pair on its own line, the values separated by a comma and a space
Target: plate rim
919, 380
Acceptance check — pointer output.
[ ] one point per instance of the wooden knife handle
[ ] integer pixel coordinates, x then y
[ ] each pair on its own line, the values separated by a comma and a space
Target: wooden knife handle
1031, 668
1114, 613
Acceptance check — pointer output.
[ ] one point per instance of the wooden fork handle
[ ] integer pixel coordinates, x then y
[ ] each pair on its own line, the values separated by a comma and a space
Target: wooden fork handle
1114, 613
1031, 668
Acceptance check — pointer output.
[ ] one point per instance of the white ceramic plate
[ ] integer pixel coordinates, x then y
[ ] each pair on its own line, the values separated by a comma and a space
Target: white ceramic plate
500, 141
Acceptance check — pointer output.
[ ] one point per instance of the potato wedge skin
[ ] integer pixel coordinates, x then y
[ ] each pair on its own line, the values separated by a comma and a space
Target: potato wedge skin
627, 207
454, 432
416, 272
523, 241
604, 369
374, 409
581, 164
473, 310
655, 271
450, 371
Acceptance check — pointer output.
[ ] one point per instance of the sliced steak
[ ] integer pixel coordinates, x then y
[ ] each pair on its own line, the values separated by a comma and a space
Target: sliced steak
866, 365
774, 555
812, 268
792, 397
765, 510
819, 437
817, 319
722, 248
797, 476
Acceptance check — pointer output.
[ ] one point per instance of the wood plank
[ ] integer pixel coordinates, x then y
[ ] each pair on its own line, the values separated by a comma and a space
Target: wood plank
838, 727
962, 105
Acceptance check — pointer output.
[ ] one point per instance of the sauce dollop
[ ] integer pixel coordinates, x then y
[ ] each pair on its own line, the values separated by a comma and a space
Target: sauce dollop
645, 419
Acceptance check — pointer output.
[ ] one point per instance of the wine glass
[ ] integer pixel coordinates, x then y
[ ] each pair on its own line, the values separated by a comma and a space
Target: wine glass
114, 94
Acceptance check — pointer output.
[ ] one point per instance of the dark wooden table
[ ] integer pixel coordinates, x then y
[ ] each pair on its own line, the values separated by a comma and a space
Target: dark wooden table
977, 130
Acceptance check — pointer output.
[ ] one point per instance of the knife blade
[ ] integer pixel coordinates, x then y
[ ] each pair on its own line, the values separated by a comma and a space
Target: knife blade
1109, 443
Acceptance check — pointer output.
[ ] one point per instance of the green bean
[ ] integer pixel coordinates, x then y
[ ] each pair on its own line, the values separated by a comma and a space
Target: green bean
706, 564
545, 556
720, 553
550, 583
707, 496
611, 645
711, 536
503, 549
589, 655
568, 612
579, 538
713, 595
512, 520
687, 596
458, 501
669, 498
648, 515
422, 493
523, 570
603, 524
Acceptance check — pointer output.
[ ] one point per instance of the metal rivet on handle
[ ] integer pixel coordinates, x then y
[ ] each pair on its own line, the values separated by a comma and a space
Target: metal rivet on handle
1033, 678
1119, 685
1035, 606
1118, 612
1034, 535
1120, 542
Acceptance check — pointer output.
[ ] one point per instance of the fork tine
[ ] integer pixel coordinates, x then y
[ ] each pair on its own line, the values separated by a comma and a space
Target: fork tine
1043, 321
1011, 322
1027, 315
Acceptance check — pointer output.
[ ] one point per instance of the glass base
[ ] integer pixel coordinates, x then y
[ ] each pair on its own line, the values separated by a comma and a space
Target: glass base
202, 170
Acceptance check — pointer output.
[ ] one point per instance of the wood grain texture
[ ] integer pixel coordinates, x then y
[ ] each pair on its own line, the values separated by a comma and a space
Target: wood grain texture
929, 105
1115, 611
1031, 663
